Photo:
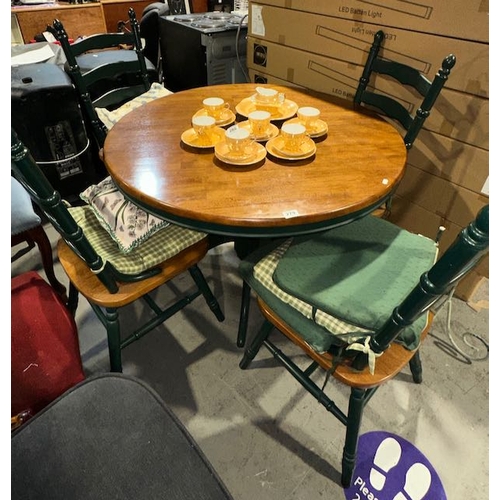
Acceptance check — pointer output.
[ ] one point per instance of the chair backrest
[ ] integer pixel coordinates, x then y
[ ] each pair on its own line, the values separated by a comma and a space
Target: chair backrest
150, 31
125, 68
408, 76
468, 248
29, 174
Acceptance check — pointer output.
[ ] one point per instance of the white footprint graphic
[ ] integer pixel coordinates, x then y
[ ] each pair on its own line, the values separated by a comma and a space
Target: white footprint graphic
386, 457
417, 483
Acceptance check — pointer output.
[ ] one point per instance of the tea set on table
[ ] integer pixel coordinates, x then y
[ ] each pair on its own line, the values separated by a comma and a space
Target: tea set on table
241, 143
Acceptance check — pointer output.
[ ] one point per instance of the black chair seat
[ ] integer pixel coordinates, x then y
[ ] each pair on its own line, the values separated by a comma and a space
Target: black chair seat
111, 436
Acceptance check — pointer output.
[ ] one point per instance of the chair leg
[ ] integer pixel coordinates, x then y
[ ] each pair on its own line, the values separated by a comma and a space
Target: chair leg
73, 299
416, 368
113, 332
244, 312
17, 239
202, 285
354, 416
109, 318
257, 342
39, 236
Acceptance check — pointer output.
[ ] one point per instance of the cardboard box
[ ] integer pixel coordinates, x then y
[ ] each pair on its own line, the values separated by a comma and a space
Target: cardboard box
469, 285
447, 200
455, 114
457, 162
260, 77
465, 19
350, 41
417, 219
421, 221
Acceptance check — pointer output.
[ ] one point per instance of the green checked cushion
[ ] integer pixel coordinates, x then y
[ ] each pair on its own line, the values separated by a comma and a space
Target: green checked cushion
163, 245
109, 118
320, 335
128, 224
355, 274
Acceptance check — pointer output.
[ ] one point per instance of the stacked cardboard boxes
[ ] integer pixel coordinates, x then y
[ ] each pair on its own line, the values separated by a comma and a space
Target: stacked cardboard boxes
323, 45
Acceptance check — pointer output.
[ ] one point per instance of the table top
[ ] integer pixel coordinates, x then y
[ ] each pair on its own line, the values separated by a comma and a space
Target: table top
356, 167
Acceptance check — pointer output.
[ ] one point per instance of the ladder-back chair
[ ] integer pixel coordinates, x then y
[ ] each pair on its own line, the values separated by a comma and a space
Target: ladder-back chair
356, 300
410, 117
120, 76
101, 272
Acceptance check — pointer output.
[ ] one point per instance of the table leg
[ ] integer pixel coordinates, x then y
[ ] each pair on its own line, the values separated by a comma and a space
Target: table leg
245, 246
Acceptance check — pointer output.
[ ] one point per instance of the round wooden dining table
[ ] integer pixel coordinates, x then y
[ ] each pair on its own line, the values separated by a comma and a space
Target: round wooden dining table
356, 167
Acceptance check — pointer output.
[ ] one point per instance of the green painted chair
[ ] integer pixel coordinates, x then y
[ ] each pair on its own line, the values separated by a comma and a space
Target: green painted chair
410, 115
105, 77
100, 271
356, 300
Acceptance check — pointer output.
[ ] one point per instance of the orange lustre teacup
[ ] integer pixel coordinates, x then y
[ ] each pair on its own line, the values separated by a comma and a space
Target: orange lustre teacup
215, 106
237, 140
259, 122
309, 117
203, 126
294, 135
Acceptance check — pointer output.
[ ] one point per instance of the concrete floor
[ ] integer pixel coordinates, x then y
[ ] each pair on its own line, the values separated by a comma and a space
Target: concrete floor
268, 438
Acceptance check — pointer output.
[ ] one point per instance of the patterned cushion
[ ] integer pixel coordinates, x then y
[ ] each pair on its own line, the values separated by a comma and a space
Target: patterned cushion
163, 245
109, 118
350, 278
126, 223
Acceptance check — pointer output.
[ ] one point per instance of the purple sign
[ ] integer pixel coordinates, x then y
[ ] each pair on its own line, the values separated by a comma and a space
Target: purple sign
390, 468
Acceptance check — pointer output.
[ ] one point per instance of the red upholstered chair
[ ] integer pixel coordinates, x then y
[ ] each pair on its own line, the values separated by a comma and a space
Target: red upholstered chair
45, 355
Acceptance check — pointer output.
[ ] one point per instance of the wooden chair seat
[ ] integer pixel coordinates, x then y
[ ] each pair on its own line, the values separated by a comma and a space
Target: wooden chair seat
89, 285
392, 361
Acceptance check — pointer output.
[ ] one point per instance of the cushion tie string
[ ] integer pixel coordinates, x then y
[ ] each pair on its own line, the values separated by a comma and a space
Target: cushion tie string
365, 348
97, 271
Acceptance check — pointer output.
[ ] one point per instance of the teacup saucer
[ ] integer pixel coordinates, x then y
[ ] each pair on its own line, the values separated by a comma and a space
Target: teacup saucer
227, 117
190, 137
254, 153
284, 111
320, 127
277, 148
271, 132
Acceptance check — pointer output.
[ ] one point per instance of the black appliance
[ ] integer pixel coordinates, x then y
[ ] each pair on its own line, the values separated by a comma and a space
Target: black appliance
47, 118
203, 49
